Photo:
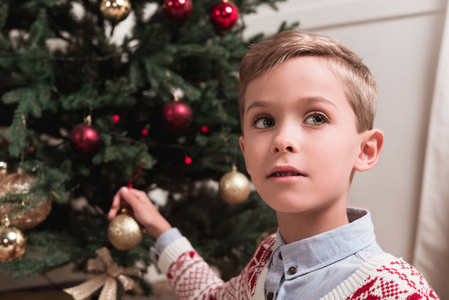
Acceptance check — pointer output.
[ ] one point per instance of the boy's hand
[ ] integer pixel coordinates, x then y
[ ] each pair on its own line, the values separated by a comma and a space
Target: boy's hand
142, 209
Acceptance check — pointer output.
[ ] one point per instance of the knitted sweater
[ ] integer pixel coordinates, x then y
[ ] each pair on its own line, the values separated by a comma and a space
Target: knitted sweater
382, 277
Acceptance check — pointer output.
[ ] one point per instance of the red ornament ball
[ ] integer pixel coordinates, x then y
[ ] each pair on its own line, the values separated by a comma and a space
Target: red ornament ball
188, 160
177, 10
177, 115
85, 138
224, 15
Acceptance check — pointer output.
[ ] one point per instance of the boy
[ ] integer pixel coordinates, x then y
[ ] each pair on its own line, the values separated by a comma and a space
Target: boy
307, 107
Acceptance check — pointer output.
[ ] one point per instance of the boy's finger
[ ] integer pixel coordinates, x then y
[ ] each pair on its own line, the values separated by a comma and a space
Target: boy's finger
116, 204
114, 207
130, 198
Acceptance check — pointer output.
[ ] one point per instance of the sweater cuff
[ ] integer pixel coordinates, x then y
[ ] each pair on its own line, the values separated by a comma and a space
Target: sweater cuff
172, 252
162, 242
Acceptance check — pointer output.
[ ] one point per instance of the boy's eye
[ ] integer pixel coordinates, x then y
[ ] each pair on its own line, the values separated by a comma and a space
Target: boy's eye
317, 119
263, 122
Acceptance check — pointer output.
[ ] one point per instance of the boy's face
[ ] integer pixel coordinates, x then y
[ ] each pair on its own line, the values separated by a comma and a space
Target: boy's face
300, 139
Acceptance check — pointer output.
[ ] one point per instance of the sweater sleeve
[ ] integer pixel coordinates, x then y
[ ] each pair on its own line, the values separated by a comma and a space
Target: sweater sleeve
193, 279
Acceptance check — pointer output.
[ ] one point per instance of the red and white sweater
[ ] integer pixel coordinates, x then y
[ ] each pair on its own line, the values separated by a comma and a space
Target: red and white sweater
382, 277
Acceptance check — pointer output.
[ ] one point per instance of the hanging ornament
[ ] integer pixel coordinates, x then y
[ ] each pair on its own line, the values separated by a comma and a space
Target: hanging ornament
110, 273
177, 10
3, 170
85, 138
234, 187
12, 241
115, 10
26, 209
124, 232
224, 15
177, 115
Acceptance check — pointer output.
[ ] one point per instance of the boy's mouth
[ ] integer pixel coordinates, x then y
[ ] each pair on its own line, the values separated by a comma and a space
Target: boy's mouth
284, 174
284, 171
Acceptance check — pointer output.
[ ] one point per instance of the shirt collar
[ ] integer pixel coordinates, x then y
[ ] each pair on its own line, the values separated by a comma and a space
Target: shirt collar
326, 248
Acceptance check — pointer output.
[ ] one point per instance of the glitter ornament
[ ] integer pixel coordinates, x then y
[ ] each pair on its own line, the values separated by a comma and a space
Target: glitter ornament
177, 10
124, 232
234, 187
12, 241
177, 115
16, 186
224, 15
85, 138
115, 10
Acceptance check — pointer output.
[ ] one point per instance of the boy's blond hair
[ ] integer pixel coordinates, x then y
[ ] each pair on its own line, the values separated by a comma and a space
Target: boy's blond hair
358, 82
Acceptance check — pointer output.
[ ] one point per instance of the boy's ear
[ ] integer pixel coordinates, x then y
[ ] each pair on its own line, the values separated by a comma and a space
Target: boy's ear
372, 143
242, 147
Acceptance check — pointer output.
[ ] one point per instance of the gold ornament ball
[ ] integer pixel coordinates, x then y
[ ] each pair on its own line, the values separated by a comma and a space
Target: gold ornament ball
234, 187
115, 10
124, 232
19, 184
12, 242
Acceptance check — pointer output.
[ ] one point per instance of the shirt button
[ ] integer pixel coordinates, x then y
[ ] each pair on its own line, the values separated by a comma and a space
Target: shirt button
270, 296
292, 270
280, 255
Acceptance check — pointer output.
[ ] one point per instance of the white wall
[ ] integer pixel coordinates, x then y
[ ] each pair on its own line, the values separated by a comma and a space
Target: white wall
399, 41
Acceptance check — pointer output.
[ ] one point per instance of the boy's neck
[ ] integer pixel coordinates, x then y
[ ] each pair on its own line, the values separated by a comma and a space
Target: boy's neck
297, 226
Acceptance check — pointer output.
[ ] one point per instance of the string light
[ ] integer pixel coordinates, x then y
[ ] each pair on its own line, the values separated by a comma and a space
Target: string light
144, 132
115, 119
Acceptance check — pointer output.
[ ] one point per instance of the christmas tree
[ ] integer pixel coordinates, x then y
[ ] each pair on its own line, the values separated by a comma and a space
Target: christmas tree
157, 110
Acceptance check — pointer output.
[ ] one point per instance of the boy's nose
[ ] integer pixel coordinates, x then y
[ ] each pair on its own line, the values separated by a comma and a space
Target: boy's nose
287, 137
283, 149
284, 144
